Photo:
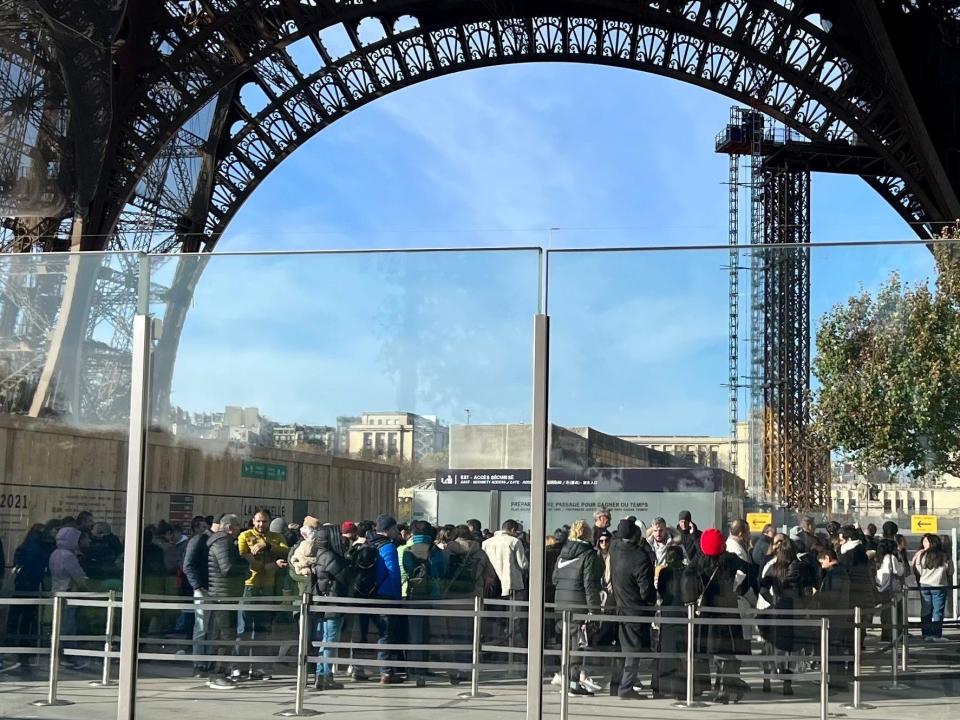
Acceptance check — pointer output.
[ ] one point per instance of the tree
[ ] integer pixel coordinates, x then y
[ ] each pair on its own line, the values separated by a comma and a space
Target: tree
889, 373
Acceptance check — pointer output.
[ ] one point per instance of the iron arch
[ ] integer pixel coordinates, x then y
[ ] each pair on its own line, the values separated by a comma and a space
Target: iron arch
765, 53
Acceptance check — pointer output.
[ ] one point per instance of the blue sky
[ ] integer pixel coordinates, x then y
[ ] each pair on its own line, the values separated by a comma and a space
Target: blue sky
545, 155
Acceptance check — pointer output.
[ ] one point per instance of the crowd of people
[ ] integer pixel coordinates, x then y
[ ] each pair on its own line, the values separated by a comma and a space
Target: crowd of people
647, 574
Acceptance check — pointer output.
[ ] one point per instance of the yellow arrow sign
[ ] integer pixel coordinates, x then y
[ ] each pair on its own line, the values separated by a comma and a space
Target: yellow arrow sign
923, 523
756, 521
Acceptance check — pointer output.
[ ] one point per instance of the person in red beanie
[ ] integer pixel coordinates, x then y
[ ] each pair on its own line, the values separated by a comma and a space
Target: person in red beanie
710, 582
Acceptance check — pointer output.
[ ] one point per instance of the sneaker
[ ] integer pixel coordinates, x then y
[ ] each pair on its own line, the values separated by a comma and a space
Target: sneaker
578, 689
632, 695
259, 675
557, 680
235, 674
939, 639
390, 680
590, 685
220, 683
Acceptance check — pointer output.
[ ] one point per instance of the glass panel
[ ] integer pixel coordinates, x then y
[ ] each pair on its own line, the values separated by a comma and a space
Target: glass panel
65, 338
640, 400
348, 413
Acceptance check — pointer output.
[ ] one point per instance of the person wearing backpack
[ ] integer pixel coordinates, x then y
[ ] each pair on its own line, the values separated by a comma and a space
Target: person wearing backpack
422, 568
469, 574
331, 578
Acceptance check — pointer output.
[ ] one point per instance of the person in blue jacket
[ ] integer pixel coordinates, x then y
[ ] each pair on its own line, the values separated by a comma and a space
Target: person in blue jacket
388, 588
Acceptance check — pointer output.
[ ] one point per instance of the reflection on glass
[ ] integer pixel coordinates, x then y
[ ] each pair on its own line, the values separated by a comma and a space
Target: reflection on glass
313, 417
65, 338
798, 501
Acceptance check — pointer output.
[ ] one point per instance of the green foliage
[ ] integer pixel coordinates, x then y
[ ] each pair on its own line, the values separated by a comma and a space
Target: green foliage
889, 373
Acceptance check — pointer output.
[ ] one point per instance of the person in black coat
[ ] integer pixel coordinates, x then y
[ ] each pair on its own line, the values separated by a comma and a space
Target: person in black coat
631, 574
670, 673
577, 577
853, 556
689, 535
709, 581
195, 570
226, 573
834, 594
781, 587
761, 549
30, 560
331, 578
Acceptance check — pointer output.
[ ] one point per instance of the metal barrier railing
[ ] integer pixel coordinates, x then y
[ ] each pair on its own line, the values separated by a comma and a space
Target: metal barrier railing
469, 608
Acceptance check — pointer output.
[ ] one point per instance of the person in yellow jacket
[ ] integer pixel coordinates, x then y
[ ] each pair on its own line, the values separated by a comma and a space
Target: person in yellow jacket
266, 552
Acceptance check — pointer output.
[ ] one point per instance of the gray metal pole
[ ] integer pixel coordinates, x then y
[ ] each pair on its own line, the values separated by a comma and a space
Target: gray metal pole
857, 644
691, 659
824, 668
895, 683
538, 516
564, 667
58, 603
904, 630
303, 652
105, 680
133, 530
956, 564
475, 660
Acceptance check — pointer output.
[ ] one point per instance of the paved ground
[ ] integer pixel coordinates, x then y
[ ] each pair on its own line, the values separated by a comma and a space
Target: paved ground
165, 694
931, 697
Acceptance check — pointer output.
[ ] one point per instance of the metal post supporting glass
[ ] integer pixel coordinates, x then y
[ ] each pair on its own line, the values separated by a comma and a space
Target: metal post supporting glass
904, 630
538, 518
475, 655
857, 654
105, 680
303, 652
691, 659
52, 700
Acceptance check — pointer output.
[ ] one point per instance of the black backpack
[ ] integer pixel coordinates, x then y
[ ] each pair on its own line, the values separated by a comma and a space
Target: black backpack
419, 572
363, 559
462, 572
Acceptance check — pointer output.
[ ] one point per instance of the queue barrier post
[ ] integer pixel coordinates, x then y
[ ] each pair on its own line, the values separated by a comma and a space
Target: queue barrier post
303, 650
895, 683
105, 680
52, 700
691, 650
857, 651
904, 630
565, 665
475, 655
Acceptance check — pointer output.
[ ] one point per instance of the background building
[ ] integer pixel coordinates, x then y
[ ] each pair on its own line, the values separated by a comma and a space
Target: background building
397, 434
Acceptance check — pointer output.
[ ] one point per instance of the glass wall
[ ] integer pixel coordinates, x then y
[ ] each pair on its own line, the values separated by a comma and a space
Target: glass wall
659, 435
325, 428
65, 338
338, 419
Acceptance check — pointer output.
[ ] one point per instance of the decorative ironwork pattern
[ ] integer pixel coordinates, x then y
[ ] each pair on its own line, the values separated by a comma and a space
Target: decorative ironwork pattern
758, 52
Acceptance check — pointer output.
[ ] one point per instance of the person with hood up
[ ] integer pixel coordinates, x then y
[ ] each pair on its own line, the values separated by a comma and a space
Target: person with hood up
30, 561
632, 577
577, 577
710, 581
66, 575
331, 578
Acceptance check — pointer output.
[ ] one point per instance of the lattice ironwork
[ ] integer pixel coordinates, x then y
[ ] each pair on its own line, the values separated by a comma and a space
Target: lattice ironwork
796, 472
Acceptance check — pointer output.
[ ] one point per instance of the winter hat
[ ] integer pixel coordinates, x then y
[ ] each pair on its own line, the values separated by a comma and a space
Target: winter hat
384, 523
626, 529
278, 525
348, 526
712, 543
685, 515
